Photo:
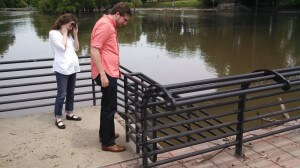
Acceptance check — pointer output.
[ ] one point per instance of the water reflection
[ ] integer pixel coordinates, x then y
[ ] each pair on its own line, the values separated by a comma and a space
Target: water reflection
7, 36
197, 44
240, 45
42, 24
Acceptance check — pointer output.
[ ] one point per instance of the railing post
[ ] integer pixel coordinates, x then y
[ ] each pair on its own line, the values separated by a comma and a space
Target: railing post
126, 108
94, 92
154, 133
145, 100
144, 137
240, 125
189, 124
136, 111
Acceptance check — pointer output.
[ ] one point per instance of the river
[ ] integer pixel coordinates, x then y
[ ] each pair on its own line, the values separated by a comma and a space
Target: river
172, 46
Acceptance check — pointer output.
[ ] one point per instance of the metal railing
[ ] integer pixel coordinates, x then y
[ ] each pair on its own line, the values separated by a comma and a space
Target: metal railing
31, 84
164, 118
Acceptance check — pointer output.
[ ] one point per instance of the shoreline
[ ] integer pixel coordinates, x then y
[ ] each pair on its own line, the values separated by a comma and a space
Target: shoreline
17, 9
283, 10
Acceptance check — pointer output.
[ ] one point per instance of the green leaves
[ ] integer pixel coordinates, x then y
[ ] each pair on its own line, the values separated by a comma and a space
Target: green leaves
62, 6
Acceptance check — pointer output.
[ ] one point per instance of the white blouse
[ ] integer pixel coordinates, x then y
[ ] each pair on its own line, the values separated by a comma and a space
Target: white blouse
65, 59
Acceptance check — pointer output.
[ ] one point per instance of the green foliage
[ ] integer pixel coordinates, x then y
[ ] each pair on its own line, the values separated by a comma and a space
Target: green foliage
61, 6
9, 3
67, 6
85, 5
134, 3
47, 5
21, 4
290, 3
13, 3
178, 4
209, 3
2, 4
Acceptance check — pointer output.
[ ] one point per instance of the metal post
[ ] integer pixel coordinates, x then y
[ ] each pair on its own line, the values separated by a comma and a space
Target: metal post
154, 123
94, 92
126, 108
136, 110
189, 125
145, 129
144, 137
240, 125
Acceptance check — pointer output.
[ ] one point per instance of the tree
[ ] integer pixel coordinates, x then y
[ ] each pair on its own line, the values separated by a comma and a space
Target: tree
21, 4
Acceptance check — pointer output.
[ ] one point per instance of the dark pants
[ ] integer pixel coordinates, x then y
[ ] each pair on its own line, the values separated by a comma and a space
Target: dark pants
65, 89
108, 110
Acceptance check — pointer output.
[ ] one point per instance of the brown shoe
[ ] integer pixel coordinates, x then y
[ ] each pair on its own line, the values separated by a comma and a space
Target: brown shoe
114, 148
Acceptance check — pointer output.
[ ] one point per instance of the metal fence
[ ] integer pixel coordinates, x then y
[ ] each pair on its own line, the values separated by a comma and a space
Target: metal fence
30, 84
165, 118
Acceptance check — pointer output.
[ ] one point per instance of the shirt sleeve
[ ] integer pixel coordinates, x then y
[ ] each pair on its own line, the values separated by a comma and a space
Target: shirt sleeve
56, 40
100, 35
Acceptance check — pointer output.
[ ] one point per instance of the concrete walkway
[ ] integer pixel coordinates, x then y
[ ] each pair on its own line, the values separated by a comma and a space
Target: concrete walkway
34, 141
278, 151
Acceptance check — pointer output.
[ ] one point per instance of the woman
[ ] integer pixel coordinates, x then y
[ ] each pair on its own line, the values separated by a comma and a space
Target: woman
64, 42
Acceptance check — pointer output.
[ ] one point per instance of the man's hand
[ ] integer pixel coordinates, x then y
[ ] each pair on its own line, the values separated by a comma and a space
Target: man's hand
104, 81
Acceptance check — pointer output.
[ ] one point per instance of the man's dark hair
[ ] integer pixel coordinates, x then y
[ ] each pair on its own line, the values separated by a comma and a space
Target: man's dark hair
122, 8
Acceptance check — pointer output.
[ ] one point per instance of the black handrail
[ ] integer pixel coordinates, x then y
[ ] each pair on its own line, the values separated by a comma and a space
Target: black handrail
38, 75
183, 99
162, 118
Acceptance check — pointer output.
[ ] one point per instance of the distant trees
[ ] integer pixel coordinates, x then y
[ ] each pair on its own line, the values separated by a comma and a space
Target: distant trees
252, 3
14, 3
59, 6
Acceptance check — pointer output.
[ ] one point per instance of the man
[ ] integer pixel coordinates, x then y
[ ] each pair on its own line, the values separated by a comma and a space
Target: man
105, 66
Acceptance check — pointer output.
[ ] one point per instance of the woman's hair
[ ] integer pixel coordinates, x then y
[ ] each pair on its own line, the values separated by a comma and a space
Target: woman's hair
64, 19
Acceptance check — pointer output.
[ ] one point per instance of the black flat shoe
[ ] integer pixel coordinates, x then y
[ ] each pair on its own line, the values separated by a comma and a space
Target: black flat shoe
73, 117
60, 126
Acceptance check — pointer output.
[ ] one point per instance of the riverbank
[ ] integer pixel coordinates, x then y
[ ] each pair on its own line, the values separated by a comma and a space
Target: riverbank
17, 9
282, 10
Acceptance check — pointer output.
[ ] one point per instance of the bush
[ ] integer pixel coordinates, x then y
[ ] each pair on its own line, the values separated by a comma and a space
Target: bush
21, 4
210, 3
138, 3
290, 3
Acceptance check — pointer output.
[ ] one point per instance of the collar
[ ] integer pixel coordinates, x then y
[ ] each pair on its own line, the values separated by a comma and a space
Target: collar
111, 20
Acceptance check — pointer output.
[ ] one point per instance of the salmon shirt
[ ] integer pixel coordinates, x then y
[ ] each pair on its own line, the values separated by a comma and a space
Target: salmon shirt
104, 38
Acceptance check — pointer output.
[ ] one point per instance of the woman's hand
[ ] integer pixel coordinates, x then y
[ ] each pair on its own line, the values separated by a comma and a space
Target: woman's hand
75, 29
75, 33
64, 30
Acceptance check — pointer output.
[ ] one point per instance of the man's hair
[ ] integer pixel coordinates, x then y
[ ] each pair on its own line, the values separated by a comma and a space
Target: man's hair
122, 8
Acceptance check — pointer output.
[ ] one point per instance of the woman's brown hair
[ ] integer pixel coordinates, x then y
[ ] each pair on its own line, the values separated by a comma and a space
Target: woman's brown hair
64, 19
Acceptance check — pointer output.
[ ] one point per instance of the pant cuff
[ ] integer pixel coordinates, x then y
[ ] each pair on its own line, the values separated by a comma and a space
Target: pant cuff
68, 112
58, 116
